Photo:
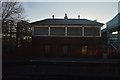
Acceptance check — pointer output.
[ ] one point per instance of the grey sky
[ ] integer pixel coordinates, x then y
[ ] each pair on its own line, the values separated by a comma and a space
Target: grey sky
68, 0
102, 11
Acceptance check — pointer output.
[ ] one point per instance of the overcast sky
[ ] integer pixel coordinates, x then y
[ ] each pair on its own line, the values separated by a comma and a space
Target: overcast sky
102, 11
69, 0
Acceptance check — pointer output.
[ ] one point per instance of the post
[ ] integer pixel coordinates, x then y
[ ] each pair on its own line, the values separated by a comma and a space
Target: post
100, 32
82, 31
48, 30
33, 31
65, 30
119, 41
108, 41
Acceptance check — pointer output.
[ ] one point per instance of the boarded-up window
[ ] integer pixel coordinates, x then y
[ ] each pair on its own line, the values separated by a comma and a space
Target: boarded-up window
84, 50
57, 31
40, 30
65, 49
76, 31
47, 49
91, 31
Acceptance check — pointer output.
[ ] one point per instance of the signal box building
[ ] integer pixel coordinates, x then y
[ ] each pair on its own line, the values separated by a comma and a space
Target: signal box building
67, 37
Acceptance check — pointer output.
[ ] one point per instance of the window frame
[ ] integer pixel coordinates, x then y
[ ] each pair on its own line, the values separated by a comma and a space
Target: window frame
41, 34
80, 34
57, 34
99, 30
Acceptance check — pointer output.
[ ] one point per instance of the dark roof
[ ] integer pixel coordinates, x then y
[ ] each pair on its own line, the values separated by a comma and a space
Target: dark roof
115, 22
66, 22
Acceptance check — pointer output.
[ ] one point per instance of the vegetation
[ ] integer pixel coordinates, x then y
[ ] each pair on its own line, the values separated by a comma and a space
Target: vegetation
16, 31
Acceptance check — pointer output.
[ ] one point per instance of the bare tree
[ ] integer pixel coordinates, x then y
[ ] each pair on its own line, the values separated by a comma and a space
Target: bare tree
12, 10
15, 30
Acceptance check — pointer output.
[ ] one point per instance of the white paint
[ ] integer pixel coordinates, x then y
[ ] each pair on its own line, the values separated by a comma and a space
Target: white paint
83, 31
116, 32
66, 31
49, 31
66, 27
